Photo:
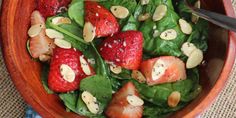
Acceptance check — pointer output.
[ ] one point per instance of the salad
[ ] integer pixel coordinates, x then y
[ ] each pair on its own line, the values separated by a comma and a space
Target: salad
119, 58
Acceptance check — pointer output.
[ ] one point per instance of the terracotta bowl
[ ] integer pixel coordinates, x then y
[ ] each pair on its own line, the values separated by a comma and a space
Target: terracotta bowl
25, 73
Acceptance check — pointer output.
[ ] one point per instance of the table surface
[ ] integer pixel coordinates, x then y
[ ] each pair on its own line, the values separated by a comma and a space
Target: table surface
13, 106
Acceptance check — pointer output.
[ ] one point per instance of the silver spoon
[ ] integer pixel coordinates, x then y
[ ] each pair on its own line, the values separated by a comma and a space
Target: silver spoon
215, 18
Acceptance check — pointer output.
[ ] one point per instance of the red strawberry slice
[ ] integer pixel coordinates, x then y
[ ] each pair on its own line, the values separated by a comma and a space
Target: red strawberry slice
123, 49
40, 44
50, 7
68, 57
105, 23
163, 70
119, 106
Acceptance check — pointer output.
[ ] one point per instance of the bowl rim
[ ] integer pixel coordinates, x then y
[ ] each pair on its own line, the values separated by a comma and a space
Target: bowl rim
205, 103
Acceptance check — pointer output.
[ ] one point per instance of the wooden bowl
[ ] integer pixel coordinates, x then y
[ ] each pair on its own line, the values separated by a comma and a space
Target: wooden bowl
25, 73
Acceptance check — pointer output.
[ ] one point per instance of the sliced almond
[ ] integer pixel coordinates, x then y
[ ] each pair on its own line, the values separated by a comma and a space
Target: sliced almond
119, 12
174, 99
185, 27
158, 69
156, 33
194, 59
61, 20
169, 34
34, 30
51, 33
115, 69
143, 17
160, 12
195, 18
89, 32
138, 76
44, 58
87, 97
187, 48
90, 101
62, 43
84, 65
144, 2
134, 100
67, 73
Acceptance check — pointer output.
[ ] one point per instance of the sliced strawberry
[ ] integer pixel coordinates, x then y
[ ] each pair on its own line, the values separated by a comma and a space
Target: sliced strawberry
101, 18
119, 107
50, 7
71, 58
40, 44
123, 49
163, 70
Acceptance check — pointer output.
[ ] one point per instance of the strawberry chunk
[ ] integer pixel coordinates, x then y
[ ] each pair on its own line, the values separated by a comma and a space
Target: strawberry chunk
119, 107
101, 18
71, 58
123, 49
50, 7
40, 44
163, 69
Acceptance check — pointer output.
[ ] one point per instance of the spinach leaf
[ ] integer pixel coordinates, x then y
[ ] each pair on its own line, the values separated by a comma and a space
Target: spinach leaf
129, 4
125, 74
132, 24
151, 6
70, 100
71, 32
183, 10
44, 78
158, 94
98, 86
76, 11
200, 34
157, 46
152, 111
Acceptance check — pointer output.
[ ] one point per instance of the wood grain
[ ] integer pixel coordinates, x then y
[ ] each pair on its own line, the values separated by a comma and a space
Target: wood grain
25, 73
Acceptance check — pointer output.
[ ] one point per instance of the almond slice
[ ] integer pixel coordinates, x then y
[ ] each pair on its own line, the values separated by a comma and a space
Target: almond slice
34, 30
194, 59
134, 100
62, 43
137, 75
158, 69
90, 101
89, 32
84, 65
169, 34
144, 2
160, 12
185, 27
119, 12
143, 17
115, 69
61, 20
174, 99
51, 33
67, 73
156, 33
187, 48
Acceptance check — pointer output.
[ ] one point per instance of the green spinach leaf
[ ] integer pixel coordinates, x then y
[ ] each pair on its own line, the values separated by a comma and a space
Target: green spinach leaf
98, 86
76, 11
71, 32
70, 100
44, 78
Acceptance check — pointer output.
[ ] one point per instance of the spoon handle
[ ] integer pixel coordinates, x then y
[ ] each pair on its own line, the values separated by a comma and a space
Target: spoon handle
215, 18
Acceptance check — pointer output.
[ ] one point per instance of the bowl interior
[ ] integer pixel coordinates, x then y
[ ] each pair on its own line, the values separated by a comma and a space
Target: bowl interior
26, 72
